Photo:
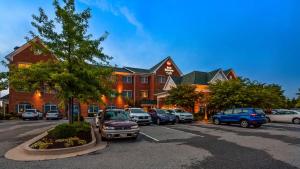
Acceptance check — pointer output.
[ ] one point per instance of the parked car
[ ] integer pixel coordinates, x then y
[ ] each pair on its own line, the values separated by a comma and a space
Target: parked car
53, 115
30, 114
160, 116
181, 115
243, 116
139, 116
116, 123
283, 115
40, 114
98, 117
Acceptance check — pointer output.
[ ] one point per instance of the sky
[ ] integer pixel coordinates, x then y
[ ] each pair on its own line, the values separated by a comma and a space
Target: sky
259, 39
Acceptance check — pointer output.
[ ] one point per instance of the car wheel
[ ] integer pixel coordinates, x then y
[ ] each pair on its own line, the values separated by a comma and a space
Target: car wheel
216, 121
268, 120
177, 120
158, 121
296, 121
244, 123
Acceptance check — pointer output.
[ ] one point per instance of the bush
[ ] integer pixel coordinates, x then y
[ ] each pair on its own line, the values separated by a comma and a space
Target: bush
63, 131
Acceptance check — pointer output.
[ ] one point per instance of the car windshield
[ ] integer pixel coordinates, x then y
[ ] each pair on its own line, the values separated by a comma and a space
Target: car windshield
159, 111
259, 111
137, 111
30, 110
116, 115
52, 112
179, 110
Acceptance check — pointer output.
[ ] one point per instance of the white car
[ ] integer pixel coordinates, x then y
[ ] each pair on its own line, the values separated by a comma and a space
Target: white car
181, 115
54, 114
31, 114
139, 116
283, 115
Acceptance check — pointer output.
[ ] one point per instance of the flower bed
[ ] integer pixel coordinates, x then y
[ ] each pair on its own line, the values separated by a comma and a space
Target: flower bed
64, 136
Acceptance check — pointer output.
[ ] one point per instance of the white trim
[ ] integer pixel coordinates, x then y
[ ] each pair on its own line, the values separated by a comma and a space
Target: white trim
169, 82
222, 73
168, 58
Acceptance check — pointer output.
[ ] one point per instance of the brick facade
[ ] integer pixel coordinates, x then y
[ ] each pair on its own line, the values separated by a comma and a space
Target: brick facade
38, 99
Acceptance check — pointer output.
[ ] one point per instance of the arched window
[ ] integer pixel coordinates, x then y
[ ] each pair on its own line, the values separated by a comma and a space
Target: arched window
21, 107
50, 107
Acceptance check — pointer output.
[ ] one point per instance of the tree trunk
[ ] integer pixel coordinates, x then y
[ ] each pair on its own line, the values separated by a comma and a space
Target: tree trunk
71, 110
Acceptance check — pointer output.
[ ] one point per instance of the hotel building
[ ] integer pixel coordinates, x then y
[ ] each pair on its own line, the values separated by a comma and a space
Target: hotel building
137, 87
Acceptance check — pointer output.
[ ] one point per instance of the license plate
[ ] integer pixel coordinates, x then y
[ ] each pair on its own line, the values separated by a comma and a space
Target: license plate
123, 135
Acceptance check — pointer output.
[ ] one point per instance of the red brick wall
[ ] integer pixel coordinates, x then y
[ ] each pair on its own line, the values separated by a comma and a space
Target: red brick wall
39, 100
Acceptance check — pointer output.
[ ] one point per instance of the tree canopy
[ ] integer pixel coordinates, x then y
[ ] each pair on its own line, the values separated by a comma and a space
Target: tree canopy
183, 96
79, 68
245, 93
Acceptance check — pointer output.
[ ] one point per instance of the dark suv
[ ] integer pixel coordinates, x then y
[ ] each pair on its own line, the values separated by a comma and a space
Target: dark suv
243, 116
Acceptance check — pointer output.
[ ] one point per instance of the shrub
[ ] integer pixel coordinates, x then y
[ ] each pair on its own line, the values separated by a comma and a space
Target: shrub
41, 145
65, 130
198, 116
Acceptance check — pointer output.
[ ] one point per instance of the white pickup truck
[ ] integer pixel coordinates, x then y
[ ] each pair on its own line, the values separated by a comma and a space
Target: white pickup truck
181, 115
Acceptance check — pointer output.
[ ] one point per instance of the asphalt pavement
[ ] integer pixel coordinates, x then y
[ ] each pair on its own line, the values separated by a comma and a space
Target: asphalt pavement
197, 145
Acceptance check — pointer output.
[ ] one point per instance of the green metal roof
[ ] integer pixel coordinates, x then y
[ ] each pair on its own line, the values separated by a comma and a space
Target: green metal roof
196, 77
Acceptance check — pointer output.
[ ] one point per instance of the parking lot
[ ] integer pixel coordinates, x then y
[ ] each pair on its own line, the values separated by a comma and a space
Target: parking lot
197, 145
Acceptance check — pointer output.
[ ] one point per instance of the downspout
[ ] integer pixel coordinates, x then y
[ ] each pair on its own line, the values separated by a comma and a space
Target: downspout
134, 88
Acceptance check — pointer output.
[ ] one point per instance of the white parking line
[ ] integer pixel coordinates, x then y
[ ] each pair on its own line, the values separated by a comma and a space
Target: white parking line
149, 137
183, 131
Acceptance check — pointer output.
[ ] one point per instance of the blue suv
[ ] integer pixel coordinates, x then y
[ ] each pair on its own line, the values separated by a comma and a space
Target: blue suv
243, 116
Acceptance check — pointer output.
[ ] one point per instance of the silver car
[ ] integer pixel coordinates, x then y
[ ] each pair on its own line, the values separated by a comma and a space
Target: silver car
181, 115
282, 115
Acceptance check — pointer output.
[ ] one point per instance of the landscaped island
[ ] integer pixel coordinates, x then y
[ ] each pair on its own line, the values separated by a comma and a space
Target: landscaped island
64, 136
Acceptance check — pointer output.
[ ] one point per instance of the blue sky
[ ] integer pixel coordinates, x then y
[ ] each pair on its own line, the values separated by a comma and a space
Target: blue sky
259, 39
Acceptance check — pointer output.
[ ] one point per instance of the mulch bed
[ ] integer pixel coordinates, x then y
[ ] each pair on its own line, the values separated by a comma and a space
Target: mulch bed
82, 136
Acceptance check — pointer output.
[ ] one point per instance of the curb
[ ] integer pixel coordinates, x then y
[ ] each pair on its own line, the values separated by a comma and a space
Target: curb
23, 152
30, 150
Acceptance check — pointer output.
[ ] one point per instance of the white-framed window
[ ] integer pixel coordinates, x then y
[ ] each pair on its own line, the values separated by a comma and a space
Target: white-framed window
93, 108
50, 107
127, 93
127, 79
144, 93
21, 107
161, 79
144, 79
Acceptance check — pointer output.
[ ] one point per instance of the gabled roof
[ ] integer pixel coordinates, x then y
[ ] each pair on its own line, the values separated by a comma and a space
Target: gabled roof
152, 69
197, 77
158, 65
226, 72
19, 49
155, 67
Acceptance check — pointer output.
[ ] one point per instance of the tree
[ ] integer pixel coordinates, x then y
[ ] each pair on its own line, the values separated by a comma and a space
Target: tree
183, 96
79, 69
3, 81
245, 93
298, 99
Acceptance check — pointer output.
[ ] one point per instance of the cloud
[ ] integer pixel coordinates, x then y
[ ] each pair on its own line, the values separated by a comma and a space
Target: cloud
117, 10
131, 19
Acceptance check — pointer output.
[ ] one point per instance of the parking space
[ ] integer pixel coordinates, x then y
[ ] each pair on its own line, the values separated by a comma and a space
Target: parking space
196, 145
